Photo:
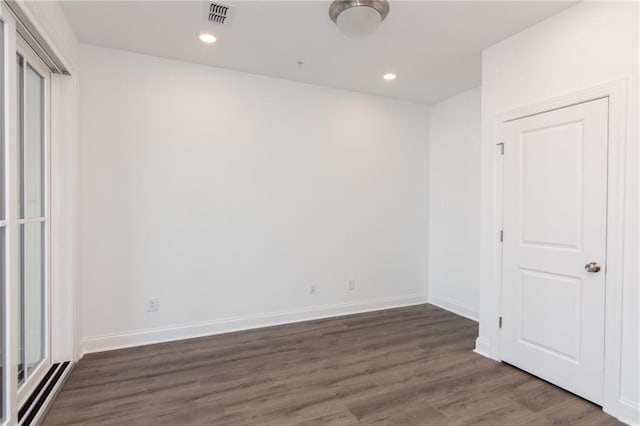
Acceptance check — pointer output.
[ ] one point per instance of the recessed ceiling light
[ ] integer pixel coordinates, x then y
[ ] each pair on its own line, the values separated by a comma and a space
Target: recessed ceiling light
389, 76
207, 38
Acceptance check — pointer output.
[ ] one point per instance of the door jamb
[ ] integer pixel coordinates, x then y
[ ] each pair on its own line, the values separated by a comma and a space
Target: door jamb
616, 92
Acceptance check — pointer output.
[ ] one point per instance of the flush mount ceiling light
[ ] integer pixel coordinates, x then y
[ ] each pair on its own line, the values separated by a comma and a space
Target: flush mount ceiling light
389, 76
207, 38
358, 17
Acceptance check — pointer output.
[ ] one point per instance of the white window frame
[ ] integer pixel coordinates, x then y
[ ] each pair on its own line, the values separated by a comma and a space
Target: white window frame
14, 44
31, 59
11, 272
3, 227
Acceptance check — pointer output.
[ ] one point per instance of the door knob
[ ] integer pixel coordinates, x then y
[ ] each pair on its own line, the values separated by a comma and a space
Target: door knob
592, 267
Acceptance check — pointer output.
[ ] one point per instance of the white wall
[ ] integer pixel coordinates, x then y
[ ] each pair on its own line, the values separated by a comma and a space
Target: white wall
454, 203
227, 194
585, 46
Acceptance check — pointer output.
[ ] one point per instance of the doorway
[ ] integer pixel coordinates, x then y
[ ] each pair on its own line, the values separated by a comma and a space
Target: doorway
554, 246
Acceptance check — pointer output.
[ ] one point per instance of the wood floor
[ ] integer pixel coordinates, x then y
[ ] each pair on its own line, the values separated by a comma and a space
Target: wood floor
407, 366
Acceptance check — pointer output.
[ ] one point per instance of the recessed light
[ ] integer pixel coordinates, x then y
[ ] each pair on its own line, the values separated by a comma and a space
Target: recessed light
207, 38
389, 76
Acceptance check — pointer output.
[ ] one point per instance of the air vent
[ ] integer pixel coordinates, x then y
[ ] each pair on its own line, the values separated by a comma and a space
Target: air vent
218, 13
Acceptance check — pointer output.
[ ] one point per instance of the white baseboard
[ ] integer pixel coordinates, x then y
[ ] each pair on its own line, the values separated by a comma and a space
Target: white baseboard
226, 325
483, 347
455, 307
629, 412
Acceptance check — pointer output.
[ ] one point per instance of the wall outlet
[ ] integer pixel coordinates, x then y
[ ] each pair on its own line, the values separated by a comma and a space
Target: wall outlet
153, 304
352, 285
313, 289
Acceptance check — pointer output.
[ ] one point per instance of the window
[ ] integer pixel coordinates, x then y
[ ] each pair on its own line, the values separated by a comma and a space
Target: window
31, 85
25, 344
32, 219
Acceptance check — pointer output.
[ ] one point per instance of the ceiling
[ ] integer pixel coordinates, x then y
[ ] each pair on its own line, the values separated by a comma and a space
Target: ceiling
433, 46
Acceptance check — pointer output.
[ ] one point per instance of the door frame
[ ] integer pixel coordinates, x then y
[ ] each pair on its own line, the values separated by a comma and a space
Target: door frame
616, 92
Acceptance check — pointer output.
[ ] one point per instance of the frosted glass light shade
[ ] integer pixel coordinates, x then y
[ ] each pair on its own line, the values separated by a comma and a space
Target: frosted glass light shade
358, 17
358, 21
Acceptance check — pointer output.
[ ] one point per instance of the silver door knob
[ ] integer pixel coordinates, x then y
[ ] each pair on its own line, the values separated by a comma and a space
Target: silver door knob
592, 267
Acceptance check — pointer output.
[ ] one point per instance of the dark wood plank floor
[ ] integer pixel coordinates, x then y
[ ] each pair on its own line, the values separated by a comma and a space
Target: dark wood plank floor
407, 366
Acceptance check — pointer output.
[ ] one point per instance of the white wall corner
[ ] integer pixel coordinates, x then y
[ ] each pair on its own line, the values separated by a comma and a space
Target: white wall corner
455, 307
454, 202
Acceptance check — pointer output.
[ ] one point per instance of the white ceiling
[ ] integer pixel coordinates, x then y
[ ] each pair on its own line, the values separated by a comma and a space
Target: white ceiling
434, 47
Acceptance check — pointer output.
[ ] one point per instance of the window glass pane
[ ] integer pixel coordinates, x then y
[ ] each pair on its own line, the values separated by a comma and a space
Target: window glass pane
19, 110
32, 281
33, 145
32, 307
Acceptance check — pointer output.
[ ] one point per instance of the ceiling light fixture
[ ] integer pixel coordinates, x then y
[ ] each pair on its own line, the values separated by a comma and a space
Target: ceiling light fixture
358, 17
389, 76
207, 38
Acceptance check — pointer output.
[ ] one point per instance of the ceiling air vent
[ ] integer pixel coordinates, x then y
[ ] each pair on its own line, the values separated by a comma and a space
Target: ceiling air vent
218, 13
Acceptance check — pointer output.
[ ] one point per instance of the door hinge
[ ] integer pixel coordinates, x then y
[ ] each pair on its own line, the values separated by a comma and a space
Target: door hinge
501, 145
501, 235
499, 322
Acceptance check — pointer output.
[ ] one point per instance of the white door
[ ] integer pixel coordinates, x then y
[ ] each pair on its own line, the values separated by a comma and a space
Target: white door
555, 197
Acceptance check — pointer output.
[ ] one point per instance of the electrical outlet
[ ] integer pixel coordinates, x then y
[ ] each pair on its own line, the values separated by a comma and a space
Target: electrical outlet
313, 289
153, 304
352, 285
